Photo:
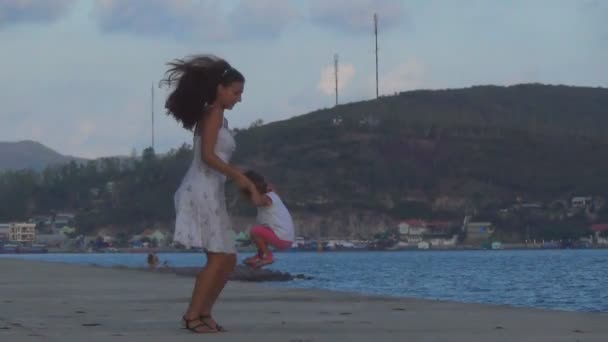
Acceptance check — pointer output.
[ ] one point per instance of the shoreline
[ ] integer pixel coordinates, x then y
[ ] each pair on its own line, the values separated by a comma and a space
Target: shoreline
44, 301
466, 277
346, 250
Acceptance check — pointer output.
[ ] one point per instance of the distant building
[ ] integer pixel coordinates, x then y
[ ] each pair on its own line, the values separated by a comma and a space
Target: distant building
369, 121
581, 202
434, 232
479, 230
51, 240
22, 232
598, 202
63, 219
110, 187
532, 205
439, 228
413, 228
421, 227
42, 219
337, 121
4, 231
423, 245
598, 229
94, 192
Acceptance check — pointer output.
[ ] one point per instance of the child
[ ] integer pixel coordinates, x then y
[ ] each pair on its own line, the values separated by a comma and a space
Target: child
152, 260
274, 225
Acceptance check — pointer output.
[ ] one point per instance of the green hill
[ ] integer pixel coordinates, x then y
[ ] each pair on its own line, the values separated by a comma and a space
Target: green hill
29, 154
480, 146
362, 166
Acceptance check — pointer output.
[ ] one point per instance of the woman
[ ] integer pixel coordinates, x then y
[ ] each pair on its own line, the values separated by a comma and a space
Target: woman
205, 86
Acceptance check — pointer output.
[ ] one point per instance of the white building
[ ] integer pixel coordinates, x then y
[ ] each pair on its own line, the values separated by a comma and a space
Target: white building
22, 232
581, 202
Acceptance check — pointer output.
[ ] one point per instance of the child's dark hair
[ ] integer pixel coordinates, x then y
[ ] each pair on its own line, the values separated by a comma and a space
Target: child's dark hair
195, 80
258, 180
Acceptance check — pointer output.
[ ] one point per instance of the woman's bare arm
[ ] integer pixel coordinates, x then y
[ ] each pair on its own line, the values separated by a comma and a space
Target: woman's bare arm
210, 125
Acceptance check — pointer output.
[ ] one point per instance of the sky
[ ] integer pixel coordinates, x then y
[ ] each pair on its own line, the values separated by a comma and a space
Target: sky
77, 75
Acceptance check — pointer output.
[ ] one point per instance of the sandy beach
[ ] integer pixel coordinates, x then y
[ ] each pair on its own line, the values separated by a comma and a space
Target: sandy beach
59, 302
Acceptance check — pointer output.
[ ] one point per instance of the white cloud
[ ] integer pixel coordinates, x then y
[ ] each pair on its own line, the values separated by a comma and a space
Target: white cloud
327, 83
84, 130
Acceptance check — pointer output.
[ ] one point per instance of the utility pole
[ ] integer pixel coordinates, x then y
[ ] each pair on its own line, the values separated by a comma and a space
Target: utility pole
376, 34
152, 112
336, 75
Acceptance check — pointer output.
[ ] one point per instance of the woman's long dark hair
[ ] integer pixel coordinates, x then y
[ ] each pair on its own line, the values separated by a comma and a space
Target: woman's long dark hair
195, 80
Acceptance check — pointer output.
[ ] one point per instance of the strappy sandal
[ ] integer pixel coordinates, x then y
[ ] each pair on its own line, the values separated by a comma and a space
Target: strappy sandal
202, 323
217, 326
252, 260
261, 262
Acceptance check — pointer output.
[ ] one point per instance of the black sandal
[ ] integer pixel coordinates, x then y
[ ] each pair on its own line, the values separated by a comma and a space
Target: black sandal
217, 326
201, 324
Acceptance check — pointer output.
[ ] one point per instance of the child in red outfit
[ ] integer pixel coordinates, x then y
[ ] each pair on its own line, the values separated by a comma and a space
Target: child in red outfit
274, 225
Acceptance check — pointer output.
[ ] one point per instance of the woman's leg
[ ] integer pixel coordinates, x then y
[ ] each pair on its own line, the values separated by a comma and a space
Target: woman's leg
228, 261
204, 292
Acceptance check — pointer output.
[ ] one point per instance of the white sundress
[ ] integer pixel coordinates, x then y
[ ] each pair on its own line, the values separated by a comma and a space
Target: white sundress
200, 201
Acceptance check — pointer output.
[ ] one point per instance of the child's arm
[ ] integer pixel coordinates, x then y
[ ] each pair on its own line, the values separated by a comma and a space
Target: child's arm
266, 201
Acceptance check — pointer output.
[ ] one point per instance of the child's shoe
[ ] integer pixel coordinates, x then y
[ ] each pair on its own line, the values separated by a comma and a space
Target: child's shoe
263, 261
251, 260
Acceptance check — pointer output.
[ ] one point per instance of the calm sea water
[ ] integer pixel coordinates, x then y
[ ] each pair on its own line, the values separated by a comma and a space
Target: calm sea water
575, 280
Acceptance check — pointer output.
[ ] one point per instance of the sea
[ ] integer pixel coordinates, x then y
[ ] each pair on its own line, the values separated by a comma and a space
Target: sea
570, 280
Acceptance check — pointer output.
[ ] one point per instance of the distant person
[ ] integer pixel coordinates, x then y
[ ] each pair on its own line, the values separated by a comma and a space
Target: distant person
274, 225
204, 87
152, 260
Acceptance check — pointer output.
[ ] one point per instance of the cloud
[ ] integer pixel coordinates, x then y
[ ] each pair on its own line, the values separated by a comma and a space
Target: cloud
262, 18
327, 83
34, 11
203, 19
107, 132
85, 125
356, 16
85, 129
409, 75
179, 19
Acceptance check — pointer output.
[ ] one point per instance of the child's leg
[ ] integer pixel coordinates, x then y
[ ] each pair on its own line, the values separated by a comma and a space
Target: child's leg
282, 244
252, 259
259, 235
271, 238
264, 236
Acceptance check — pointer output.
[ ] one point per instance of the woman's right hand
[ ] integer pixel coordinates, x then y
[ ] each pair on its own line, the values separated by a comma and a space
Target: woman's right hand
243, 183
248, 187
256, 197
